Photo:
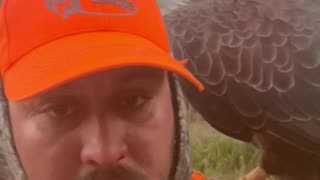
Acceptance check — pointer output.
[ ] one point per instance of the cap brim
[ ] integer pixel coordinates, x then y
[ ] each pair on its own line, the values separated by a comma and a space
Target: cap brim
74, 56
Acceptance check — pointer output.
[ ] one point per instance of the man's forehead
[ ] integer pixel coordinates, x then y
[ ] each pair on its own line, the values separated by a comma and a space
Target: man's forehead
113, 80
120, 75
109, 80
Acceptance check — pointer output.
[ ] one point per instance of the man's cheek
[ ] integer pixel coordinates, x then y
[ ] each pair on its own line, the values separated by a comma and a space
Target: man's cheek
51, 159
152, 146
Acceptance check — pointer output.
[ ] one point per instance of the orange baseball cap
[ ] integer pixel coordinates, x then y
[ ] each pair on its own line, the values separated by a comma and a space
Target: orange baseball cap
44, 43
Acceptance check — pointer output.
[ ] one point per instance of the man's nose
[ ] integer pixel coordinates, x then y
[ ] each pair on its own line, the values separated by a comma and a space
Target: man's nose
103, 144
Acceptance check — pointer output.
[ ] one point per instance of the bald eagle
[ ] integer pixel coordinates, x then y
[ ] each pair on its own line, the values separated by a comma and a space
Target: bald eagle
259, 61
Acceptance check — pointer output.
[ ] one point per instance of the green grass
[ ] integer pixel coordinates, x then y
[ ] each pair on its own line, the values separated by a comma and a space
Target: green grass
218, 156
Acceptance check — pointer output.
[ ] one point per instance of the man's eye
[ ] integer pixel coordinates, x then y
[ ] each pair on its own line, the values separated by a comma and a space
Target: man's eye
133, 102
59, 111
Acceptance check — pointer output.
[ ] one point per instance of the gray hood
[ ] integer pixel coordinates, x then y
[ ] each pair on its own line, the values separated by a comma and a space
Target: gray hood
11, 169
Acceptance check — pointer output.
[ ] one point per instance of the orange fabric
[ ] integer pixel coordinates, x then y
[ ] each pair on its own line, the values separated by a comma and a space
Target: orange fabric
44, 43
198, 176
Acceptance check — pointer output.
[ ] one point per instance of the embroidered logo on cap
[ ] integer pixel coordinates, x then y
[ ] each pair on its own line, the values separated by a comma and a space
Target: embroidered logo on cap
65, 8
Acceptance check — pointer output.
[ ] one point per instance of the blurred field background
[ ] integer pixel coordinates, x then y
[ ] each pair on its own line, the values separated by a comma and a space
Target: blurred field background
218, 156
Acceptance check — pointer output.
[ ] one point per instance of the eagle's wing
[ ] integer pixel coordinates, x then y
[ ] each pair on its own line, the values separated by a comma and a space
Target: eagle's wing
259, 61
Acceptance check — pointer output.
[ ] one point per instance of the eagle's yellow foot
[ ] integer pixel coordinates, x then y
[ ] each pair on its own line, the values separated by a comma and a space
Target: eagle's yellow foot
256, 174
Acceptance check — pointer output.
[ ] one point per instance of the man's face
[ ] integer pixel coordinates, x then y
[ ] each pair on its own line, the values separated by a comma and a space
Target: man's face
115, 125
